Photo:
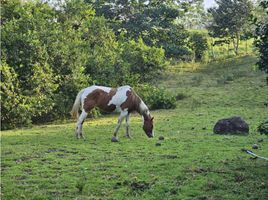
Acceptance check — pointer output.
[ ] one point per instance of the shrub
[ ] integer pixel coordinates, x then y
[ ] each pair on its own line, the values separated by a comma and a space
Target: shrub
143, 60
20, 105
156, 98
263, 127
199, 45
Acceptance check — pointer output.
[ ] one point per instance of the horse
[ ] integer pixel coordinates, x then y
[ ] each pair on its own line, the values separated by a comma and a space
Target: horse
123, 99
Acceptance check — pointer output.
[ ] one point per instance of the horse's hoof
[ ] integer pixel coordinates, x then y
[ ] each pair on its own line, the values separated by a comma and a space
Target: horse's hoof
128, 136
115, 139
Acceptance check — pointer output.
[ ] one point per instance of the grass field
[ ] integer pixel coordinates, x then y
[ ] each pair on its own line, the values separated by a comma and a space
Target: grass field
47, 162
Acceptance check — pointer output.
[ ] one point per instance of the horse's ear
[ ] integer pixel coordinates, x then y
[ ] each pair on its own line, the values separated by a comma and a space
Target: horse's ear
152, 119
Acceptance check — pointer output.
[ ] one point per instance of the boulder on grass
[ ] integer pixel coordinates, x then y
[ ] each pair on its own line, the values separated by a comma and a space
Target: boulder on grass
233, 125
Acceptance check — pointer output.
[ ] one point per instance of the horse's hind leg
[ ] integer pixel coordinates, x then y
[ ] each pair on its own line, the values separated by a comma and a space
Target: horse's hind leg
79, 125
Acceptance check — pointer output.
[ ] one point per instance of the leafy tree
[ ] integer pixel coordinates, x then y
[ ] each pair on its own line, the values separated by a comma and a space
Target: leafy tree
195, 16
262, 40
230, 19
48, 70
145, 61
103, 53
152, 20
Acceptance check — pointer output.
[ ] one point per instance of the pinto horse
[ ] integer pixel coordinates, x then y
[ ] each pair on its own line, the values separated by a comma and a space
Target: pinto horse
123, 99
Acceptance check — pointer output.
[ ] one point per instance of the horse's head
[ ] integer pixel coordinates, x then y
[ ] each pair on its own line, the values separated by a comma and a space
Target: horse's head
148, 125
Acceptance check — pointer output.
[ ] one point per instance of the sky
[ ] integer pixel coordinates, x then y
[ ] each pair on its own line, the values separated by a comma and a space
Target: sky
209, 3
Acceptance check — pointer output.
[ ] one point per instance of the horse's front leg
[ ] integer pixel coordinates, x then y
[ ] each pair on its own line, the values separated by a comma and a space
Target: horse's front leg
79, 125
127, 126
123, 114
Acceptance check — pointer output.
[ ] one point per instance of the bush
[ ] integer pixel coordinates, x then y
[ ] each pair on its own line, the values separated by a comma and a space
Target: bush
263, 127
142, 60
156, 98
199, 45
20, 105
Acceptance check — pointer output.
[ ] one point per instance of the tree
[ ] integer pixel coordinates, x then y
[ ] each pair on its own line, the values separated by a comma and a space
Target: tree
230, 19
261, 41
195, 16
151, 20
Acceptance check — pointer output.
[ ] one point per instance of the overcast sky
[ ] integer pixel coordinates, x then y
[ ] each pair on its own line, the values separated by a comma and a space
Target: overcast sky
209, 3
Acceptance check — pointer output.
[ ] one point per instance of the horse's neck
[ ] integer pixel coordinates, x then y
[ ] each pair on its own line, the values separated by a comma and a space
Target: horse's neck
143, 109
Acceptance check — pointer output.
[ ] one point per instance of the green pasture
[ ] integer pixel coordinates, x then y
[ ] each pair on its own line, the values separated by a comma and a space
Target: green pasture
48, 162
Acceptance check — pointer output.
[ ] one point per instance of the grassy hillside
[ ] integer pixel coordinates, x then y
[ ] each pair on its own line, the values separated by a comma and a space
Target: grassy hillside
47, 162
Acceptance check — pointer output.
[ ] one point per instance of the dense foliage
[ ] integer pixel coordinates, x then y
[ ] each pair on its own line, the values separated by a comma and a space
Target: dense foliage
50, 53
156, 98
230, 19
263, 127
199, 44
151, 20
262, 39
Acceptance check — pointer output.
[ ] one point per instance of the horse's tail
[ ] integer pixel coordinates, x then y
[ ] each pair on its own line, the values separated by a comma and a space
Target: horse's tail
76, 106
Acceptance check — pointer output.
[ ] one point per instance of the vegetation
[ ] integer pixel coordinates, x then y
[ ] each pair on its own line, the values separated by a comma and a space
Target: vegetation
189, 75
262, 38
156, 98
42, 73
231, 20
47, 162
263, 127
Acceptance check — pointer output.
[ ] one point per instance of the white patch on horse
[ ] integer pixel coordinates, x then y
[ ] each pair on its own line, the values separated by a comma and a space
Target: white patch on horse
144, 108
90, 89
119, 97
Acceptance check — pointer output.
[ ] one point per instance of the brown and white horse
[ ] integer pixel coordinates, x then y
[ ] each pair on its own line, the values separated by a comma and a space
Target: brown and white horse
123, 99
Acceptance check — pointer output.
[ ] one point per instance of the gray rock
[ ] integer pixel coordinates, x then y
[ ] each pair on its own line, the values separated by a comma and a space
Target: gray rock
260, 140
158, 144
161, 137
233, 125
255, 146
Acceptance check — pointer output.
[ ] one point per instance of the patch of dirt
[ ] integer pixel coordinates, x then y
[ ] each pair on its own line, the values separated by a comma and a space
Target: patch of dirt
239, 178
170, 156
19, 178
140, 186
51, 150
135, 186
61, 155
28, 171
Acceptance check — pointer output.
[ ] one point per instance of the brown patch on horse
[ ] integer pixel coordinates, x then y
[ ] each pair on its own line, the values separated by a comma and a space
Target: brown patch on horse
99, 98
132, 102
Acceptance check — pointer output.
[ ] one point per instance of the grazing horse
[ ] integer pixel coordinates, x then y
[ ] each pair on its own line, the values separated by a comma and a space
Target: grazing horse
123, 99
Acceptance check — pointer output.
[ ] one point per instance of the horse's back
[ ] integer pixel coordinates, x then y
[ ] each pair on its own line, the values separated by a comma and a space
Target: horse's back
117, 98
92, 88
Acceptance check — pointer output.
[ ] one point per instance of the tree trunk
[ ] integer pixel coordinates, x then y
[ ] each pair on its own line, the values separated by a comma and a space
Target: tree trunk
228, 49
246, 46
212, 48
236, 42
